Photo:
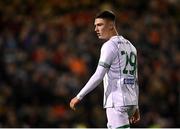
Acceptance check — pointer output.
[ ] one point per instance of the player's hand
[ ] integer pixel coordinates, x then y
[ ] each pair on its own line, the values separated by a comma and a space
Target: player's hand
135, 117
74, 102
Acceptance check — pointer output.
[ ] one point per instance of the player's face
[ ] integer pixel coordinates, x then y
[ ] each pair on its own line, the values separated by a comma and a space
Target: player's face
102, 28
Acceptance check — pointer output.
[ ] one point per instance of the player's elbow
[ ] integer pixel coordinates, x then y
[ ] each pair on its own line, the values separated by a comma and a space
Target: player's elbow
100, 73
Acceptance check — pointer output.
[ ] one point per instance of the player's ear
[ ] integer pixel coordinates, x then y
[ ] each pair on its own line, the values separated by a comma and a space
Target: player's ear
111, 25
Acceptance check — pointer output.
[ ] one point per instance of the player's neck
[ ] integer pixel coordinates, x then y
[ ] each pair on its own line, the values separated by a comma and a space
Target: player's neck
113, 33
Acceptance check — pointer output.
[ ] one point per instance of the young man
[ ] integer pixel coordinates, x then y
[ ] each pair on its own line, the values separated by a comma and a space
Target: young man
118, 67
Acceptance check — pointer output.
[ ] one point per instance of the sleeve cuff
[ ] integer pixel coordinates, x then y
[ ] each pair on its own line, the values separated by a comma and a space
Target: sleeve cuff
79, 97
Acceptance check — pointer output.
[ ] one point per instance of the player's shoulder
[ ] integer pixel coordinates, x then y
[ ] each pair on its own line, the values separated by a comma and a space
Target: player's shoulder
113, 41
108, 45
116, 39
112, 44
128, 42
124, 40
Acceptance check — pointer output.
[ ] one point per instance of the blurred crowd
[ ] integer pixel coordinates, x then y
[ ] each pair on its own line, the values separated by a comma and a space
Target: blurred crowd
48, 51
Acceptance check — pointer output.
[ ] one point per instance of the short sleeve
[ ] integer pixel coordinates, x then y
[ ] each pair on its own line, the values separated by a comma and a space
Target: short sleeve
107, 55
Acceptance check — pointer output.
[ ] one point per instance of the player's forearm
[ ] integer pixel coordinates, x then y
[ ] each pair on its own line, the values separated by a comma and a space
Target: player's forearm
93, 82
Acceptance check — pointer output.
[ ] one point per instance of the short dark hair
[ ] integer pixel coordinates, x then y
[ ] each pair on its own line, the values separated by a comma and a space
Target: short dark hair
106, 15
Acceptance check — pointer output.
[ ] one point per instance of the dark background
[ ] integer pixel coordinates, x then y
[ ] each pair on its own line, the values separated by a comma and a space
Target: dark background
48, 51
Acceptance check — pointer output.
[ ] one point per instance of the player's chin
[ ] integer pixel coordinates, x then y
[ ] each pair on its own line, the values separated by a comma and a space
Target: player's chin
101, 37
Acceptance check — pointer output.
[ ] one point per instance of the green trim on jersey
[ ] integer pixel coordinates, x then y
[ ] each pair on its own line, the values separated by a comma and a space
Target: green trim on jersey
124, 126
103, 64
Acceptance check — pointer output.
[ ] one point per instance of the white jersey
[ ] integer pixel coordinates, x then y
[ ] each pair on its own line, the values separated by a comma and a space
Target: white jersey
118, 68
120, 82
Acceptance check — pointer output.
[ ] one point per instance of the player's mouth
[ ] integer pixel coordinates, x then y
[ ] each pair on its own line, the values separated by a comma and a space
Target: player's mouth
98, 34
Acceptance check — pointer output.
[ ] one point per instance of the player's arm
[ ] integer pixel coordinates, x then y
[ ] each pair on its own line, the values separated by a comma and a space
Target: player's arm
105, 61
93, 82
